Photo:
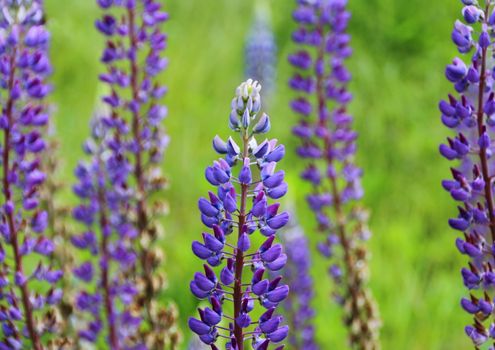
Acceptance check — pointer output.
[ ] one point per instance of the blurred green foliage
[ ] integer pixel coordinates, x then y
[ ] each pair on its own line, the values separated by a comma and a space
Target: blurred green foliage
400, 49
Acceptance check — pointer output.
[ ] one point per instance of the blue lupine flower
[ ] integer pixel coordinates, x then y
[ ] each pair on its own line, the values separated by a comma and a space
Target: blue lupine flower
469, 113
236, 270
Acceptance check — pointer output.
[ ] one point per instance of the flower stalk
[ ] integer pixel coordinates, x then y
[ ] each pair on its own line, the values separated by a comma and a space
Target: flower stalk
328, 144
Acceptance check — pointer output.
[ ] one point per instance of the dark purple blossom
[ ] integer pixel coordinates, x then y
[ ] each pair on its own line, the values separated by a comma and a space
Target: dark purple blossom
469, 113
24, 248
237, 270
328, 145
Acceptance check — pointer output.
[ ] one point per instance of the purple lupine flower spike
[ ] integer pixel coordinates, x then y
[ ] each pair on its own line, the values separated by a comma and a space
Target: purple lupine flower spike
328, 144
109, 238
24, 68
134, 61
236, 269
261, 50
298, 307
470, 114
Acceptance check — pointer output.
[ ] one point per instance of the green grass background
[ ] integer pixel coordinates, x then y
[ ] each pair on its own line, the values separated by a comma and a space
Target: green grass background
400, 49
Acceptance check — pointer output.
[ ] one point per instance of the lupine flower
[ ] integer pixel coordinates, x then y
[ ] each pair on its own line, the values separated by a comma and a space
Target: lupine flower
236, 270
27, 288
470, 114
298, 307
134, 61
261, 50
328, 146
109, 238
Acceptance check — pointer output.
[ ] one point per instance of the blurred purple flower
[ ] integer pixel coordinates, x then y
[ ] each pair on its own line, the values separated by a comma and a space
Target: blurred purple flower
298, 308
131, 146
24, 68
328, 145
104, 213
261, 50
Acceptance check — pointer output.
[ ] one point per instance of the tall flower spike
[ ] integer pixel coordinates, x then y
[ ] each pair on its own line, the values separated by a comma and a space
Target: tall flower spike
134, 61
298, 307
328, 146
470, 114
27, 288
236, 270
261, 50
110, 240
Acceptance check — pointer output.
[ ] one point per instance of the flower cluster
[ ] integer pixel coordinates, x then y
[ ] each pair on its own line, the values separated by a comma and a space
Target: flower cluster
328, 144
261, 50
470, 113
27, 281
134, 61
239, 208
298, 305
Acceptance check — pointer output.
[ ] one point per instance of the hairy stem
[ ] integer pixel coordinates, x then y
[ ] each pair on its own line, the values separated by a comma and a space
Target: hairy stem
239, 260
481, 129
